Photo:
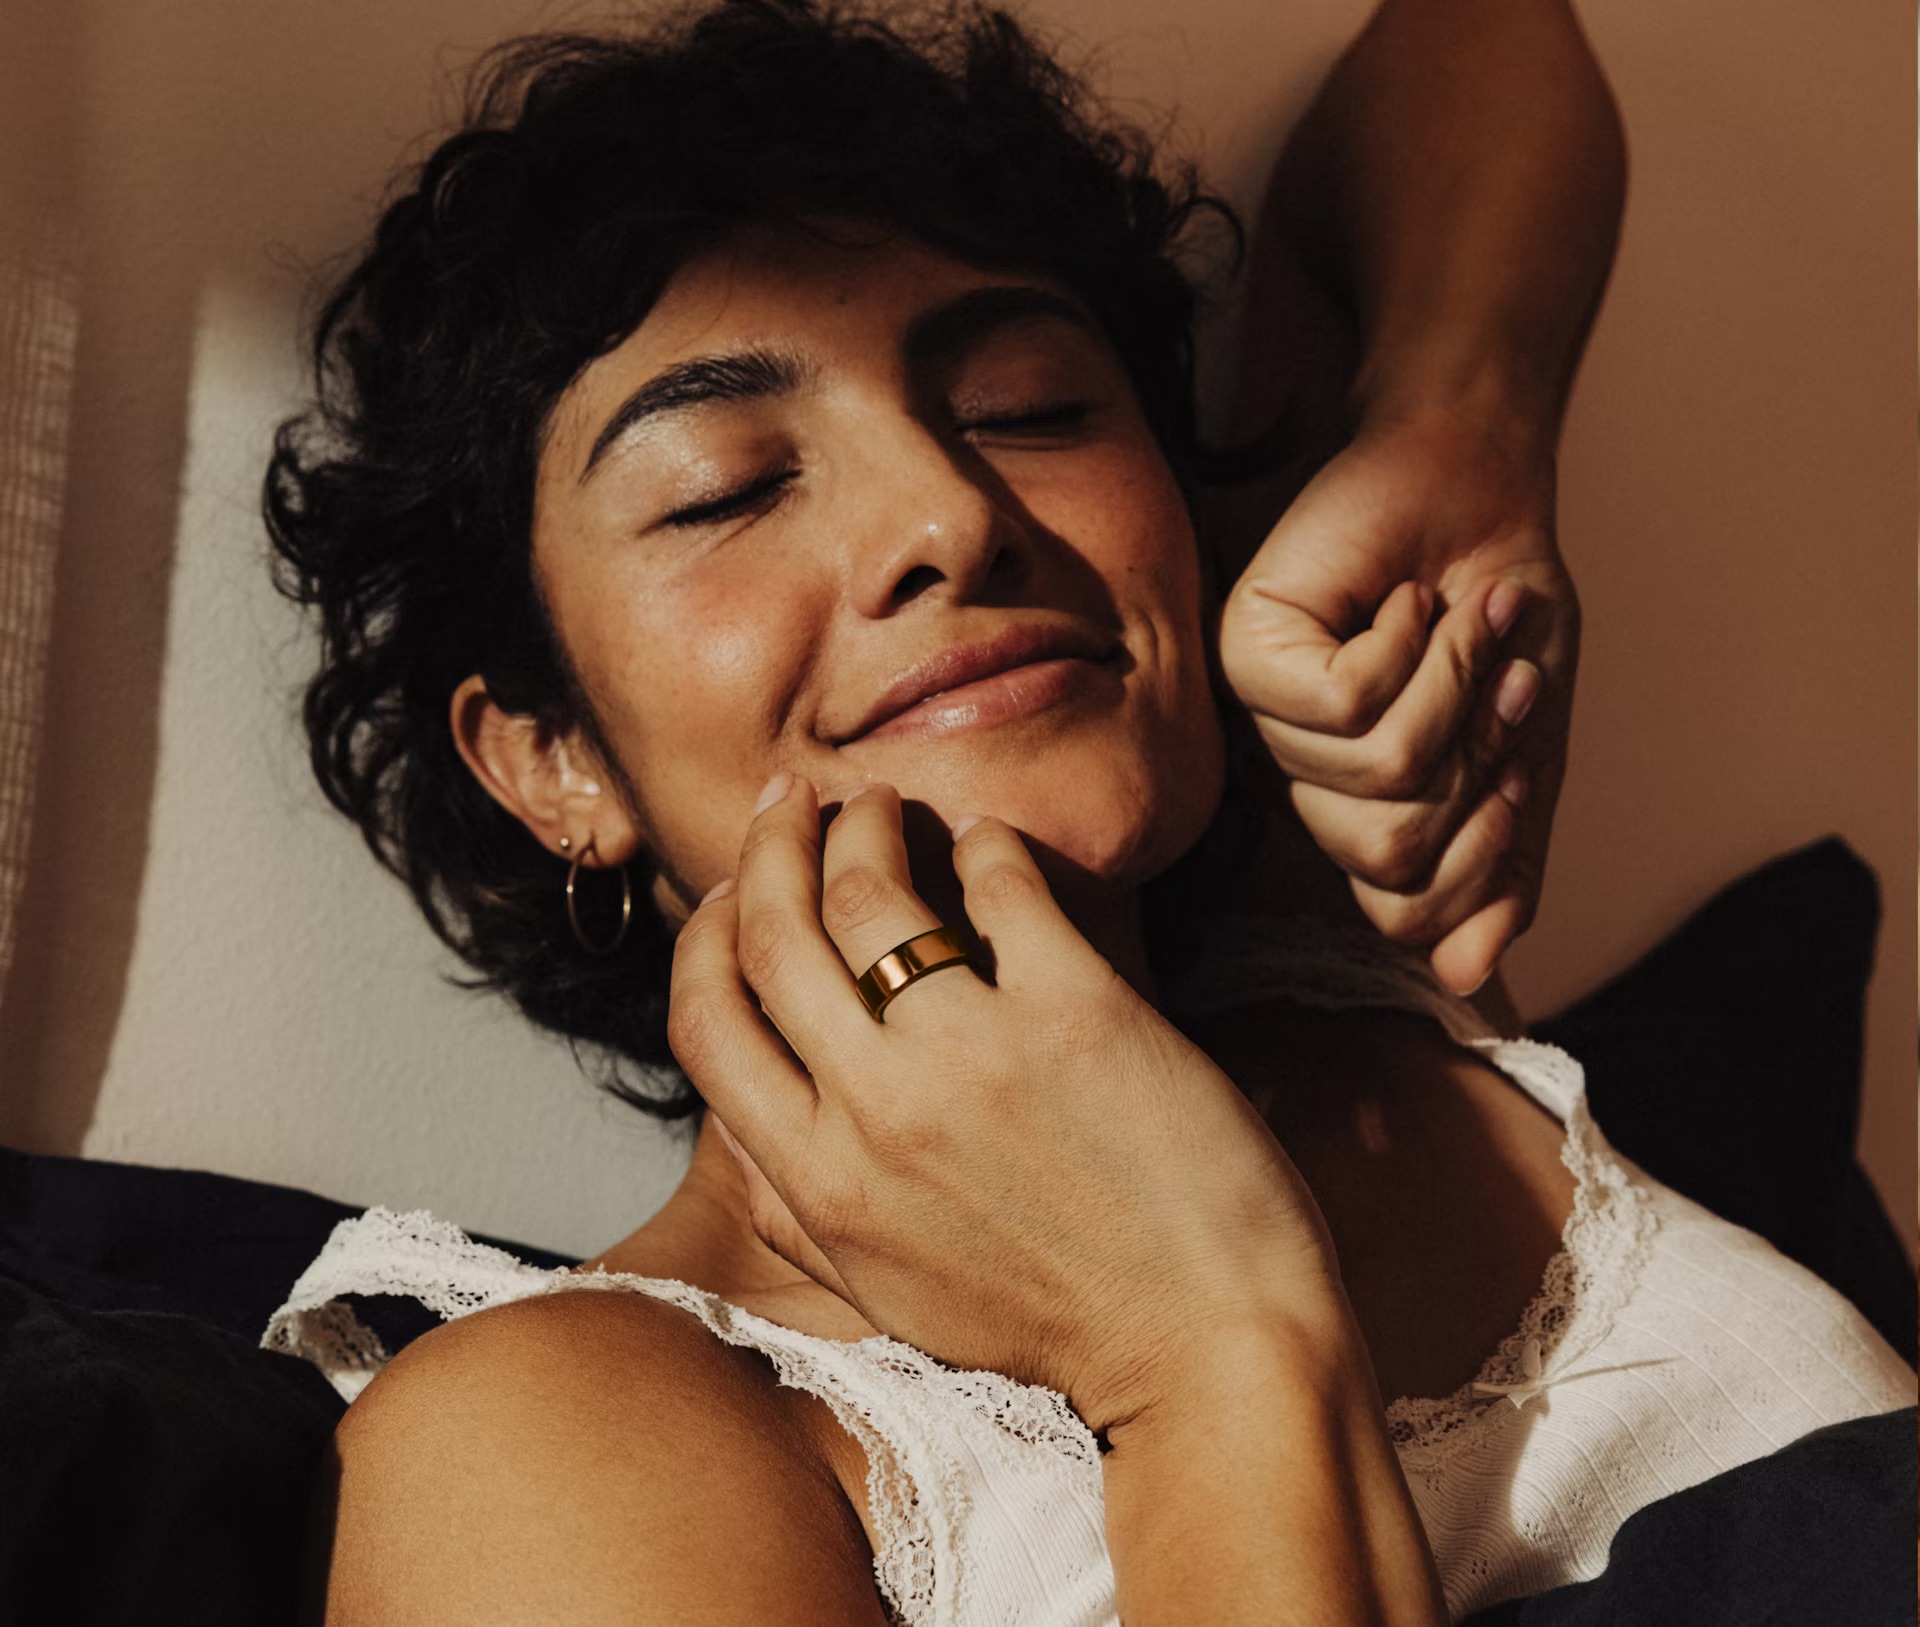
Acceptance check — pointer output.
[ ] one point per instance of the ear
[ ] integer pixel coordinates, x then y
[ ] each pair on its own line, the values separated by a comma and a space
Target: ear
553, 783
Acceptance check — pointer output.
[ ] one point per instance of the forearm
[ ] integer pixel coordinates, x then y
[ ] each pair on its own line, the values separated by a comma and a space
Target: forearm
1461, 177
1262, 1489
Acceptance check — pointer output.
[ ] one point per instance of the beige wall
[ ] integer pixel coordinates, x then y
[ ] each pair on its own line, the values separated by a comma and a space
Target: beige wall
212, 972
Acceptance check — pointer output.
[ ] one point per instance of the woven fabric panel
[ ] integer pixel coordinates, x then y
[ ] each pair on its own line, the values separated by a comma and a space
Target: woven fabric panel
38, 332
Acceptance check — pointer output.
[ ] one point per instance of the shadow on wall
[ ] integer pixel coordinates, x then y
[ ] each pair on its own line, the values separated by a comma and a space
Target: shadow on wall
75, 919
228, 139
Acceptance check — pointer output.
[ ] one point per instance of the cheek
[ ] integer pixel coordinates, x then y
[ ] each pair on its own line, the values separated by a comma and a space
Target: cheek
1127, 517
687, 674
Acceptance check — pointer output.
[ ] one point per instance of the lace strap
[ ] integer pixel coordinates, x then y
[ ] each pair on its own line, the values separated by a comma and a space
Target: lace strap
382, 1252
912, 1490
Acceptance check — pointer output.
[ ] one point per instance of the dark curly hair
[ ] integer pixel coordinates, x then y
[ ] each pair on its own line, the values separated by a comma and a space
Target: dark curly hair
535, 239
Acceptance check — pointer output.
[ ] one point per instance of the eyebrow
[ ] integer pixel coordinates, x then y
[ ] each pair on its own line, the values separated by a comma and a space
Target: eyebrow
757, 375
747, 375
949, 329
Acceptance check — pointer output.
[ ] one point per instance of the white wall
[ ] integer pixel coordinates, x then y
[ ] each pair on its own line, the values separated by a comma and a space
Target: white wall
214, 974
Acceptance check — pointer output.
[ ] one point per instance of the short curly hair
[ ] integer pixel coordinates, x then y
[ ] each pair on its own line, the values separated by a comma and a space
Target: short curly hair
586, 172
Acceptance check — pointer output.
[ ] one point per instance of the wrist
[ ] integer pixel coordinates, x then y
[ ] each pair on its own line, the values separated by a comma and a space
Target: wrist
1482, 388
1308, 1363
1485, 435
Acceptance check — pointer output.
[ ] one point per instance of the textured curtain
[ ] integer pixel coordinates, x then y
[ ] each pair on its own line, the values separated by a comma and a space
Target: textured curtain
38, 326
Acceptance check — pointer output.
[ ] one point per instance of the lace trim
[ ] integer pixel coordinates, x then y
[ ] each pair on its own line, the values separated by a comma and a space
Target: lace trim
386, 1253
1604, 1247
916, 1558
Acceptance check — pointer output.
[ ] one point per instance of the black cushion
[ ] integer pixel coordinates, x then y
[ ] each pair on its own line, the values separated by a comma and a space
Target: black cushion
154, 1462
153, 1468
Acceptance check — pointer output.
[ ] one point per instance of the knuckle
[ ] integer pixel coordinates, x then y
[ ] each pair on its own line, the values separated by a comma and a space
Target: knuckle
1351, 707
901, 1136
690, 946
1476, 651
693, 1024
837, 1214
1396, 854
1394, 770
766, 945
1003, 885
856, 897
1405, 920
762, 833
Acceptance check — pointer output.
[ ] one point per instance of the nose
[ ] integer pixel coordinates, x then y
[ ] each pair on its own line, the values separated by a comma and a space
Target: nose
932, 521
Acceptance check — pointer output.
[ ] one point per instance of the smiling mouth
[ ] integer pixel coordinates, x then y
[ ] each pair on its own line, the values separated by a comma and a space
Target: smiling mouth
1023, 669
1000, 697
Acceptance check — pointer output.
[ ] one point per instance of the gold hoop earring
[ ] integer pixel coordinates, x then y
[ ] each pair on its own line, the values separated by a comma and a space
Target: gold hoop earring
573, 914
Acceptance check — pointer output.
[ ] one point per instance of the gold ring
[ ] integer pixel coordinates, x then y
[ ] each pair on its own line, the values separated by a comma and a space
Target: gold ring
906, 963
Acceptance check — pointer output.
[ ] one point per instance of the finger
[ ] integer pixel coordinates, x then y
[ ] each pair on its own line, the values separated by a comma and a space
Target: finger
1469, 875
1284, 662
1465, 957
1013, 910
774, 1222
1398, 757
784, 952
1395, 844
867, 901
726, 1047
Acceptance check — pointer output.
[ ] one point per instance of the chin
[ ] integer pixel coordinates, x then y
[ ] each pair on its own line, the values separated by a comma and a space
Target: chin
1103, 816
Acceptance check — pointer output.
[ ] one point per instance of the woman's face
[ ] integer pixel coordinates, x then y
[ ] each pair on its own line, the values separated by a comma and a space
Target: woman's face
864, 513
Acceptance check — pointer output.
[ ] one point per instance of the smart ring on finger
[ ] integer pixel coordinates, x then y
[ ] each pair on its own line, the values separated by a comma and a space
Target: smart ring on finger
907, 963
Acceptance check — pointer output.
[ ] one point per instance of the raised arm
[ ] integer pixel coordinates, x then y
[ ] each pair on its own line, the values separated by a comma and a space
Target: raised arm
1432, 253
1460, 180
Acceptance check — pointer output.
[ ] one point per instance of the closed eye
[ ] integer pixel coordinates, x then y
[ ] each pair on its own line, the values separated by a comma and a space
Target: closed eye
1065, 415
755, 497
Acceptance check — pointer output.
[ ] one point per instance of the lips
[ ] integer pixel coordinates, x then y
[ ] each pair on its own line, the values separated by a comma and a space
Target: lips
969, 663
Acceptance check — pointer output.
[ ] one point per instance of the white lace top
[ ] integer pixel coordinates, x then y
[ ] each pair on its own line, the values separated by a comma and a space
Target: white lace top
1664, 1346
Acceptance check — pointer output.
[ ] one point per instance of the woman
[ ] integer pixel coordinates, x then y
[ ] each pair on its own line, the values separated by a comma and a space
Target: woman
772, 422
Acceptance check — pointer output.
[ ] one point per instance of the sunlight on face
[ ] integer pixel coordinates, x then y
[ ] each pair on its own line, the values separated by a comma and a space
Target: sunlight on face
862, 512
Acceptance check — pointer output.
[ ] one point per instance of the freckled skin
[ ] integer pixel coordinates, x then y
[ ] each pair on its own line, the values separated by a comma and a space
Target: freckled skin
719, 654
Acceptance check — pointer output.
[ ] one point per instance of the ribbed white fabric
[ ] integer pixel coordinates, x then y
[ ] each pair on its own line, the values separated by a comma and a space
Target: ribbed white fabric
1665, 1345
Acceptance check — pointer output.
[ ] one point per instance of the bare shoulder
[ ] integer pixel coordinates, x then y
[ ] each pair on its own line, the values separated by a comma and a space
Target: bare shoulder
584, 1456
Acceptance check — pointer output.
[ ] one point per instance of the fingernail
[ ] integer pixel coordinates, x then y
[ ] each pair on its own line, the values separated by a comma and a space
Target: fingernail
965, 823
776, 788
1519, 688
1423, 598
1504, 605
856, 795
1513, 785
719, 889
